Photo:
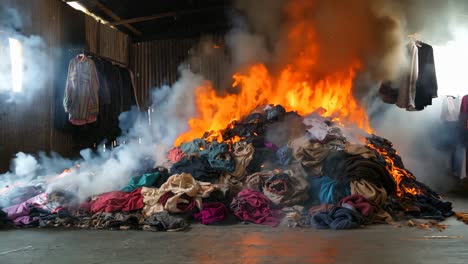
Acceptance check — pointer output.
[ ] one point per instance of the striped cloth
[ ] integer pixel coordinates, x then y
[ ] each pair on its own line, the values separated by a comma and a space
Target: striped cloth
81, 99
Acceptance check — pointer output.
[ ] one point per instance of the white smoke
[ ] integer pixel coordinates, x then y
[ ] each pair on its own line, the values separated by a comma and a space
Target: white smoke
421, 137
145, 146
172, 107
35, 57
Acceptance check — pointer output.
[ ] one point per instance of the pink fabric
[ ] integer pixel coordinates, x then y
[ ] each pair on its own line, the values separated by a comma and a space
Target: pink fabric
359, 202
118, 201
253, 206
19, 213
175, 155
271, 146
211, 212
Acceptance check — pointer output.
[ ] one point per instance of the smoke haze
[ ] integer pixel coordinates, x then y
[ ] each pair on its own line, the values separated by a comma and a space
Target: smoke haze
35, 58
372, 31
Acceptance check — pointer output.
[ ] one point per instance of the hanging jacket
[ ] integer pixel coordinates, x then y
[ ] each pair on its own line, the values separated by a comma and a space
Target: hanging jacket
426, 86
407, 90
81, 100
402, 91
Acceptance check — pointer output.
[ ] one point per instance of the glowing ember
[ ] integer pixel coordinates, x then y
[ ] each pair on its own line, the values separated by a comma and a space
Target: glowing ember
65, 173
398, 174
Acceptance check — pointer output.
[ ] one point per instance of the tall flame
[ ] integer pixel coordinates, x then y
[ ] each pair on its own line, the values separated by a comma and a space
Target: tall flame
257, 87
398, 174
300, 85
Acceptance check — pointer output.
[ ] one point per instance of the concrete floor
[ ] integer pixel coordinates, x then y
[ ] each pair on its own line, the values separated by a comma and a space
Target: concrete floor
240, 244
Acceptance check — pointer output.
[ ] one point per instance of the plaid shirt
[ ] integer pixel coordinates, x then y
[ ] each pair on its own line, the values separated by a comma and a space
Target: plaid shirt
81, 99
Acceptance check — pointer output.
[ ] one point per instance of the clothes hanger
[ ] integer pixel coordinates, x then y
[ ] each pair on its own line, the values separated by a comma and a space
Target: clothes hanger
416, 38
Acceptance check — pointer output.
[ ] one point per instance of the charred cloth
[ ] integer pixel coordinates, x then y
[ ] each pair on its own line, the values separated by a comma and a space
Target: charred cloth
270, 166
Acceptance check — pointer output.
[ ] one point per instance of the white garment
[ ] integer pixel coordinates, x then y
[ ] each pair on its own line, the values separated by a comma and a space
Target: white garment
450, 109
319, 130
407, 90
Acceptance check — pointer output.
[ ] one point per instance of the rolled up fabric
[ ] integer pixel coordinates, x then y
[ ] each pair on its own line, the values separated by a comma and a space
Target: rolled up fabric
175, 155
253, 206
243, 155
359, 203
211, 213
331, 191
370, 191
337, 218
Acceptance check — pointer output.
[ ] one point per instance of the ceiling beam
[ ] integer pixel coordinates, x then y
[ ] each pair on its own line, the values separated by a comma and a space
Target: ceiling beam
161, 15
115, 17
145, 18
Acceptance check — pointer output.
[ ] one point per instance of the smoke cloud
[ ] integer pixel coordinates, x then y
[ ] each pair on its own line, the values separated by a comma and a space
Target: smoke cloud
141, 148
424, 141
375, 32
337, 33
325, 36
35, 57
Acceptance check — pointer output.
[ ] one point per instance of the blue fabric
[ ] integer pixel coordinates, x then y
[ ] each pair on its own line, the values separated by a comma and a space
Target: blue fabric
332, 192
338, 218
219, 157
194, 147
284, 155
145, 180
217, 154
315, 184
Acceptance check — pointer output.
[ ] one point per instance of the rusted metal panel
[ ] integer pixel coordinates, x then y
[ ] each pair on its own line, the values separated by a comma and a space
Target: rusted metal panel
106, 41
156, 62
29, 127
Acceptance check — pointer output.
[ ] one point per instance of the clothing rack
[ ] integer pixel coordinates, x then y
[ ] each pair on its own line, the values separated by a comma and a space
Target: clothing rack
87, 52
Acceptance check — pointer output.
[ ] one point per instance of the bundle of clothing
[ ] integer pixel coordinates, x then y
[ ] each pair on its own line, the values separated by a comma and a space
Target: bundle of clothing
417, 86
313, 176
96, 92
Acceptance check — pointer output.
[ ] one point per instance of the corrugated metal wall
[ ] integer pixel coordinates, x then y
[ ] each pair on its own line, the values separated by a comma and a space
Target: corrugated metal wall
106, 41
156, 63
30, 127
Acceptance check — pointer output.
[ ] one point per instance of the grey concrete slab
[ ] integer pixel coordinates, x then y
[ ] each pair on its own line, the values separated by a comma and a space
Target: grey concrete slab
240, 244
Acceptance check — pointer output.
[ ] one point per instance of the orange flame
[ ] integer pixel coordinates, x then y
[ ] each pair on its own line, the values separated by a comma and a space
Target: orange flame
299, 84
397, 173
257, 87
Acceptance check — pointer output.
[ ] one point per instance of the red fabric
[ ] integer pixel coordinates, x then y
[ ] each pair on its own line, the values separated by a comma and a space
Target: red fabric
118, 201
359, 202
175, 155
184, 207
253, 206
464, 112
212, 212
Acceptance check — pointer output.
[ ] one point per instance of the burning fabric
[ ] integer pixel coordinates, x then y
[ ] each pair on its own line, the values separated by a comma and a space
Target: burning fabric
260, 169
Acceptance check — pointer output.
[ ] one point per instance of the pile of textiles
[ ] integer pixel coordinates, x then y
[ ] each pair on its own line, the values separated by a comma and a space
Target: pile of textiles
253, 206
273, 167
30, 211
117, 220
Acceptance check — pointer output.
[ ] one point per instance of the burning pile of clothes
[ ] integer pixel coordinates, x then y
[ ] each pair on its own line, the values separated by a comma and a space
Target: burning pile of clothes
272, 167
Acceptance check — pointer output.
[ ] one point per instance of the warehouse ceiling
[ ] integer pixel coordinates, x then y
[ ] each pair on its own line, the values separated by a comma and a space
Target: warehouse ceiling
153, 19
